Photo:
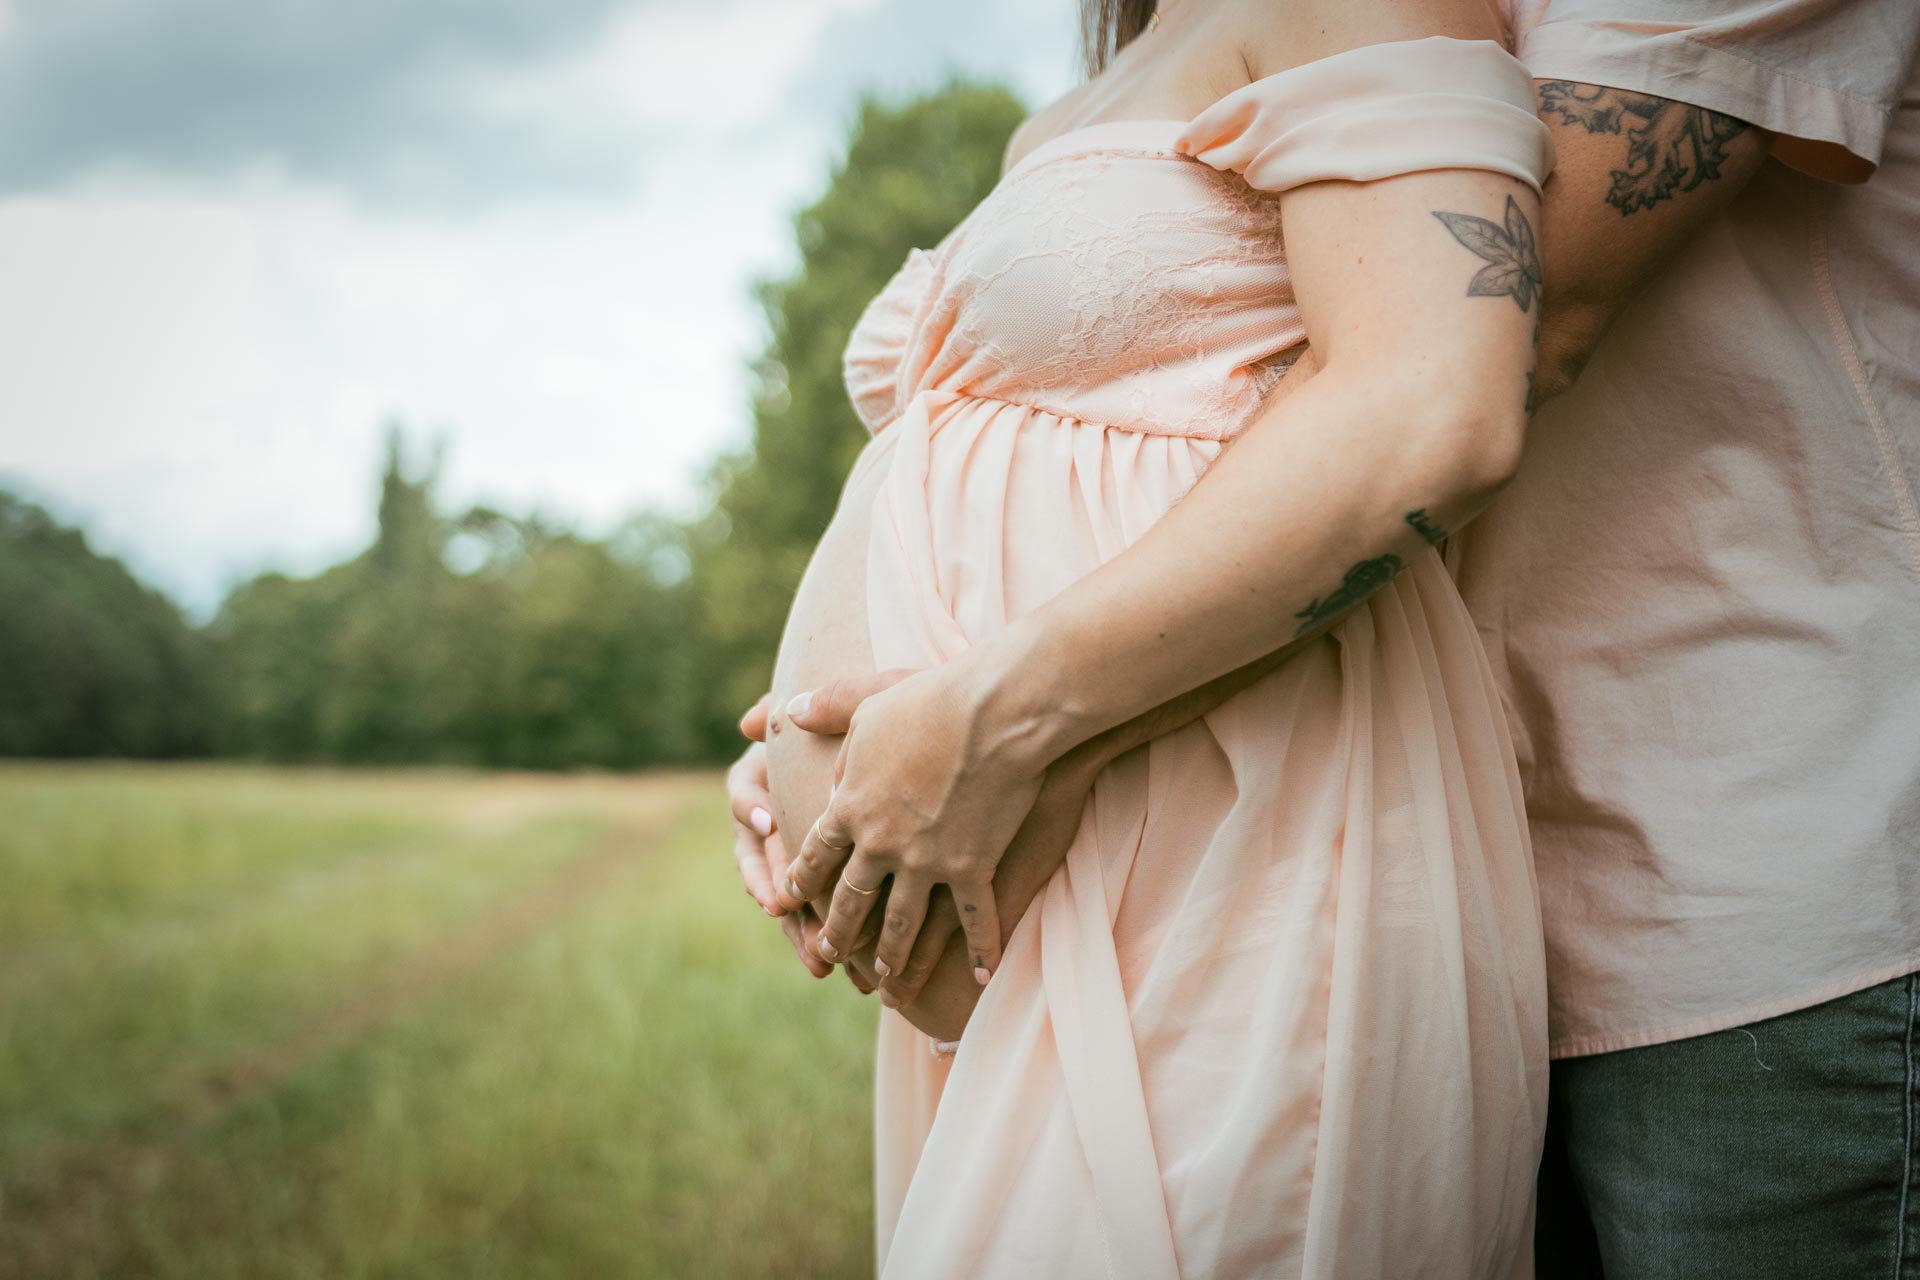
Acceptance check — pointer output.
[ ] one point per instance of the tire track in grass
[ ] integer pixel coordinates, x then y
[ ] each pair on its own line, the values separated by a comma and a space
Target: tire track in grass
46, 1226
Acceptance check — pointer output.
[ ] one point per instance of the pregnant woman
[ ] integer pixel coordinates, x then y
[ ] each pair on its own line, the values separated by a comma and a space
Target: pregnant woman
1280, 1008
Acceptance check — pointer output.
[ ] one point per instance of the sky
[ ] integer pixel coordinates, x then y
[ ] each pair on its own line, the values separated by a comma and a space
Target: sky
240, 237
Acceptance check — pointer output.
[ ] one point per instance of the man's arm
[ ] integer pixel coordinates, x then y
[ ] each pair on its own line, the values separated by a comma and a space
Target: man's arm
1637, 177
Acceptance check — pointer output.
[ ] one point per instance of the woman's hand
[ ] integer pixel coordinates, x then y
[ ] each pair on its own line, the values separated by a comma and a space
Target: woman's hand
1037, 851
757, 849
926, 793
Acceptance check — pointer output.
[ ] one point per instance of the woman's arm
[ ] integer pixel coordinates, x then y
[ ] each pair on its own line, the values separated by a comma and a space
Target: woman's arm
1601, 254
1421, 295
1421, 298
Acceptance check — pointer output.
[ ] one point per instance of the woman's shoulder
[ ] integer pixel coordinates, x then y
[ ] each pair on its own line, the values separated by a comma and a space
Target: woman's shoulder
1241, 43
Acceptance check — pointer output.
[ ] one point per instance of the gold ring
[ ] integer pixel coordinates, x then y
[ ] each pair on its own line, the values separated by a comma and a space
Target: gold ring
814, 831
854, 888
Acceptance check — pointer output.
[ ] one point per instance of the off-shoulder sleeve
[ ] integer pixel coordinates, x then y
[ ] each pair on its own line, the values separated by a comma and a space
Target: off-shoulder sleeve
1376, 112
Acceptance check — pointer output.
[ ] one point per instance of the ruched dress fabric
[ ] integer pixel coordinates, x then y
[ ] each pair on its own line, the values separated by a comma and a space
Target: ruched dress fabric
1282, 1012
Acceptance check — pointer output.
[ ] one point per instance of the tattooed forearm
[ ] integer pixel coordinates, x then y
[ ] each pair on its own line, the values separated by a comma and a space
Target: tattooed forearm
1671, 146
1367, 577
1512, 271
1512, 257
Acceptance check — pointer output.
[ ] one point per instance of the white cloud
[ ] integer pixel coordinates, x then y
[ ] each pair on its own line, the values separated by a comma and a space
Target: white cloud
199, 368
205, 378
113, 307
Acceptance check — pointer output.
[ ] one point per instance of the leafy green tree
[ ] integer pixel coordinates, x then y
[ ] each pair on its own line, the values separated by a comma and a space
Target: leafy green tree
911, 173
92, 663
477, 639
353, 664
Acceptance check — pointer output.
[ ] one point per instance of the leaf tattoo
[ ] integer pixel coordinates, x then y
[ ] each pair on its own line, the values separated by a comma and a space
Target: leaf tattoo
1513, 269
1671, 146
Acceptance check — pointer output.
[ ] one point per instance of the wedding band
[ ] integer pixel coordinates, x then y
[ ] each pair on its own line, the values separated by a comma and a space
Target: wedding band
854, 888
815, 833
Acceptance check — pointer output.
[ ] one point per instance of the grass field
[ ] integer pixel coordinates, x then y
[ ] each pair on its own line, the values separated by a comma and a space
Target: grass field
265, 1023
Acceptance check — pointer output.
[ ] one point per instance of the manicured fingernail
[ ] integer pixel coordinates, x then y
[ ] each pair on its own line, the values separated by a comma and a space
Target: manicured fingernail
826, 950
881, 967
793, 890
762, 821
980, 974
797, 705
770, 911
944, 1048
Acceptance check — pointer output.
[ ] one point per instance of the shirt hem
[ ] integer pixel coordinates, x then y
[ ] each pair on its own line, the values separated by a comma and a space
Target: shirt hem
1587, 1046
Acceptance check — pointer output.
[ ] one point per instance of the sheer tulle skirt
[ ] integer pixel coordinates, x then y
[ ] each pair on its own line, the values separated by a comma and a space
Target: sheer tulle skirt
1283, 1010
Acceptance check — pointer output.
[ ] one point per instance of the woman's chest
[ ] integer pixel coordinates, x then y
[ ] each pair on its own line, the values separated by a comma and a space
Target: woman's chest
1101, 260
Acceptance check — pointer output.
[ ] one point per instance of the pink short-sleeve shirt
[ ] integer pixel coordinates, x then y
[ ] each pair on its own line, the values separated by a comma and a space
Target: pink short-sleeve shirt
1702, 594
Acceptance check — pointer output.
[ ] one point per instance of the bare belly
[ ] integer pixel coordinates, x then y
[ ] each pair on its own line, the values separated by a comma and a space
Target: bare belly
826, 639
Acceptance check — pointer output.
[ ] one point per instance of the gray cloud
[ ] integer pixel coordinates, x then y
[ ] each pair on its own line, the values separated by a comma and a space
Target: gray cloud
352, 92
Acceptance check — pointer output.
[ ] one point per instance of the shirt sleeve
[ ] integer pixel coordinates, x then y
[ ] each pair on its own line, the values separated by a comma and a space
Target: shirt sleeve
1823, 75
1376, 112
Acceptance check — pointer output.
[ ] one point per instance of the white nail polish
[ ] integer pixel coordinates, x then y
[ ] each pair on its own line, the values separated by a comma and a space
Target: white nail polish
881, 967
797, 705
762, 821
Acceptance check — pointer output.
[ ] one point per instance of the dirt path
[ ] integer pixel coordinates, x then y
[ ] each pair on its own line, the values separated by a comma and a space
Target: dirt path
45, 1227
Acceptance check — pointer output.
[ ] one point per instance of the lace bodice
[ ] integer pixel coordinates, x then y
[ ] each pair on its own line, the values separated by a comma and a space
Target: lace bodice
1132, 273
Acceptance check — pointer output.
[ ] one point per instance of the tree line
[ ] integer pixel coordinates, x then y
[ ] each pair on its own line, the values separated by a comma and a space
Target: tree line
487, 638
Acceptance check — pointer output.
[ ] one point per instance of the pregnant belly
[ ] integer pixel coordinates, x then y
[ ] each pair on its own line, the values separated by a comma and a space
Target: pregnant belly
827, 638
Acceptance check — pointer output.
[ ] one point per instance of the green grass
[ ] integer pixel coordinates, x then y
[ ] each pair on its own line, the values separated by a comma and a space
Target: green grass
261, 1023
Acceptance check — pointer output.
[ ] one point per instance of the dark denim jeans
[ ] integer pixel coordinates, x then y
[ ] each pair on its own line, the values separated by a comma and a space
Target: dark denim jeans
1785, 1148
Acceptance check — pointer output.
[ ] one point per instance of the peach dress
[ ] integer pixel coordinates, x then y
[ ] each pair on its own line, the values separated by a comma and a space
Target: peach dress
1282, 1012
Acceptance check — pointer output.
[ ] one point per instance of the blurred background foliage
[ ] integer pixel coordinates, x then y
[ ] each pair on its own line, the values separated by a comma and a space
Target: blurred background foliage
486, 638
